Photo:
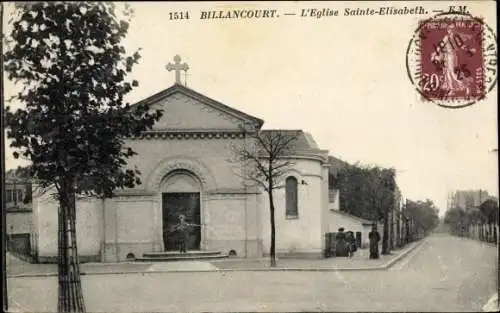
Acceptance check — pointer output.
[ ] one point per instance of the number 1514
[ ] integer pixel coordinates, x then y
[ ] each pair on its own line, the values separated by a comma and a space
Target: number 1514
178, 15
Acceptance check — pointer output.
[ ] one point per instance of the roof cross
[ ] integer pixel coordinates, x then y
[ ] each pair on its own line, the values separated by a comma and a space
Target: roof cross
177, 67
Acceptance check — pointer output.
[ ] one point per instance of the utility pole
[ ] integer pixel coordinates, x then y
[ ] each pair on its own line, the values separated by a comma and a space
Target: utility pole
2, 170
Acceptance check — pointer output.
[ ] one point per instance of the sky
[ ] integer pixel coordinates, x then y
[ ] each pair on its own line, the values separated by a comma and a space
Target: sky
341, 78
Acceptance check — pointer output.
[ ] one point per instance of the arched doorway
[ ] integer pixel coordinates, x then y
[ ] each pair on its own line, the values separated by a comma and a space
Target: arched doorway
181, 193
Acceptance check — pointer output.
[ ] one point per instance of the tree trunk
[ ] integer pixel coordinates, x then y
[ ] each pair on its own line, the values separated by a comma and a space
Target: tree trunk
407, 232
385, 237
70, 290
272, 251
391, 230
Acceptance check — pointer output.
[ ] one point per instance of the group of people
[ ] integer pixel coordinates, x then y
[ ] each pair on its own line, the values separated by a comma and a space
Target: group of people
347, 245
346, 242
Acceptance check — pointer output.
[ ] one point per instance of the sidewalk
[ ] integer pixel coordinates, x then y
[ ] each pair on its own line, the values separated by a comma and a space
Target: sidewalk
360, 261
492, 305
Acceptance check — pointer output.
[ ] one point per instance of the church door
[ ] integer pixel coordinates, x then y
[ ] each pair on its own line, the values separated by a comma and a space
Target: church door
174, 204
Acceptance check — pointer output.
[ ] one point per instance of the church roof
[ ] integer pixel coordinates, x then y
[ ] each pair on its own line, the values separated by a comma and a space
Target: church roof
202, 98
304, 140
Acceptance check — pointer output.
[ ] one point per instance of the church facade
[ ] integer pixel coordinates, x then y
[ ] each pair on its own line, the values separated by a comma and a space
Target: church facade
188, 168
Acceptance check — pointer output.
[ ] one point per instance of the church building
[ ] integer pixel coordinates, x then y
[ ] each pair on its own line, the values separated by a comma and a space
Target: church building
187, 168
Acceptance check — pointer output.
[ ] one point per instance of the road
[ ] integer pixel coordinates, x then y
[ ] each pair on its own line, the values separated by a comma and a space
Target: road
445, 274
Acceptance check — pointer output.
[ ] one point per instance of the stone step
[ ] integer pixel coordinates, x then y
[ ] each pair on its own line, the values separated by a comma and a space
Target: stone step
183, 257
196, 253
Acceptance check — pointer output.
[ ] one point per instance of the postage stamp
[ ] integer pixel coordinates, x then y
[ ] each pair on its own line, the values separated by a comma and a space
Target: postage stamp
451, 59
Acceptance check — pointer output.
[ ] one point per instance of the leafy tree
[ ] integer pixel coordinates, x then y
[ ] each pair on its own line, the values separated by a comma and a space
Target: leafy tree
367, 192
489, 210
266, 163
72, 68
425, 215
384, 190
476, 217
457, 221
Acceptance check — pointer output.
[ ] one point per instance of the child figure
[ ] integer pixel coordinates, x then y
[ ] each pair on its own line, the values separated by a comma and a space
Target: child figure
351, 242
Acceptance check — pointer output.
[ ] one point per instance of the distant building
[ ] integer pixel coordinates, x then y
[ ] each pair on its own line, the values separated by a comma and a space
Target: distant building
19, 213
18, 196
467, 200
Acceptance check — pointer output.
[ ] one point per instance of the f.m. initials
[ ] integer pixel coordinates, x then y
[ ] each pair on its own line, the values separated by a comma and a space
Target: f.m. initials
458, 9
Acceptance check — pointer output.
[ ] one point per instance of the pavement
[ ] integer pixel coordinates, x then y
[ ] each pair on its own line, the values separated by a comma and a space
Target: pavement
441, 274
360, 261
492, 305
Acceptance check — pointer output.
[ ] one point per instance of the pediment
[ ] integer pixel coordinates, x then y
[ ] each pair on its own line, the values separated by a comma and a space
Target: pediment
186, 109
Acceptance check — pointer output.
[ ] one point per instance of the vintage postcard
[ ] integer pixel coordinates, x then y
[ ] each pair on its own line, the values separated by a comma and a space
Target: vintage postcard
250, 156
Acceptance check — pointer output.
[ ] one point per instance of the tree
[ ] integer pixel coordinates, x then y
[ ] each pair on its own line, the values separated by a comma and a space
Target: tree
352, 182
385, 185
265, 163
489, 210
72, 69
368, 192
457, 221
425, 215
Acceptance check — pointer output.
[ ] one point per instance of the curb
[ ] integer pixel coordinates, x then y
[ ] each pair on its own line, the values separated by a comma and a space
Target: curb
398, 258
269, 269
382, 267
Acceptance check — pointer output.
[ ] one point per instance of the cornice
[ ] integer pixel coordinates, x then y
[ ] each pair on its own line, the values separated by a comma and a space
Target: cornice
309, 154
190, 134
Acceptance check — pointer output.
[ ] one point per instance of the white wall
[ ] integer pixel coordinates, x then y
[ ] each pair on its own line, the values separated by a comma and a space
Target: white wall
302, 234
133, 225
211, 155
337, 220
89, 218
335, 205
19, 222
224, 223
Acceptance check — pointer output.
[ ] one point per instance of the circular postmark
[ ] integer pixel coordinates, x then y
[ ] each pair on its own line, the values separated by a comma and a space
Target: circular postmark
451, 59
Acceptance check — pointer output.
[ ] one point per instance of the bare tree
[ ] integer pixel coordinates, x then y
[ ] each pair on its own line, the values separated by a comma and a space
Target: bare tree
265, 163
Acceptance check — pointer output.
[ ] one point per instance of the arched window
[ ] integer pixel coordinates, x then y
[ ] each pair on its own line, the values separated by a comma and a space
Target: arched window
291, 197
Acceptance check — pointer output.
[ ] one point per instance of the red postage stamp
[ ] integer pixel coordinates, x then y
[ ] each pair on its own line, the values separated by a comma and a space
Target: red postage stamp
452, 60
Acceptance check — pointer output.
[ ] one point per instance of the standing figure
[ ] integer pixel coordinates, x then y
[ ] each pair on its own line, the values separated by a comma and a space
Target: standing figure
374, 238
454, 80
351, 243
341, 248
182, 229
